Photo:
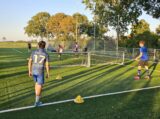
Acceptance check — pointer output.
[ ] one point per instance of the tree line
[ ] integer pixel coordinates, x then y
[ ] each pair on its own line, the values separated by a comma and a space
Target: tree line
120, 14
44, 25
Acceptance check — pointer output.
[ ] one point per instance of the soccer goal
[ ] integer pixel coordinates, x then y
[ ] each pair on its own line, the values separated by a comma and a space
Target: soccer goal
70, 59
87, 59
107, 57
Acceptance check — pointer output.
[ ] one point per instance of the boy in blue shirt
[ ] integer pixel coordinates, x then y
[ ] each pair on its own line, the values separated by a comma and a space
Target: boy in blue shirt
38, 61
143, 60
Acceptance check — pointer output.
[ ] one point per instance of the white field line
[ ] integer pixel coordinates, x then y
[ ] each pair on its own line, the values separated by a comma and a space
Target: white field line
87, 97
17, 51
56, 66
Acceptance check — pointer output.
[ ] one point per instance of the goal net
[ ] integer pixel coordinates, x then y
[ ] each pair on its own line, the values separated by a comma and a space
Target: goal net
108, 57
87, 59
69, 59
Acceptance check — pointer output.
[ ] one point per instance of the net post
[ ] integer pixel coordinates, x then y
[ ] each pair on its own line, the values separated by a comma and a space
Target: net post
89, 59
133, 53
154, 57
123, 58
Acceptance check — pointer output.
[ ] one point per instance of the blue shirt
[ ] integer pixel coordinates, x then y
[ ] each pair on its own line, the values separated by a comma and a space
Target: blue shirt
144, 52
39, 58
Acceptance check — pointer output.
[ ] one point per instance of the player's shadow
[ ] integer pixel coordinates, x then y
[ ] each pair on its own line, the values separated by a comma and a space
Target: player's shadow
152, 68
77, 75
26, 92
19, 99
82, 85
137, 105
12, 64
12, 75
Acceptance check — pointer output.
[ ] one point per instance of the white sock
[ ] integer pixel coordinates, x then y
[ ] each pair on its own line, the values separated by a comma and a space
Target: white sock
37, 98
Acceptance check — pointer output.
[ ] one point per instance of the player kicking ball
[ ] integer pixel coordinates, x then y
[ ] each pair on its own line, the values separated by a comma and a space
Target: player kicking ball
38, 61
143, 61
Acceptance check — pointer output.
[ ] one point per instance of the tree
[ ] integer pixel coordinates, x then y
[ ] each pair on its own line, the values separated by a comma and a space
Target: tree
80, 18
68, 25
121, 13
139, 28
62, 24
54, 25
152, 7
158, 30
36, 27
141, 31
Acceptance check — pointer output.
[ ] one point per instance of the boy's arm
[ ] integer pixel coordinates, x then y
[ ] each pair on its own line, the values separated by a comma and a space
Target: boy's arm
30, 67
140, 55
47, 69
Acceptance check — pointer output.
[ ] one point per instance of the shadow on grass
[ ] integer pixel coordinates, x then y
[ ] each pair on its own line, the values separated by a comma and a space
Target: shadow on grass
80, 87
13, 74
12, 64
16, 99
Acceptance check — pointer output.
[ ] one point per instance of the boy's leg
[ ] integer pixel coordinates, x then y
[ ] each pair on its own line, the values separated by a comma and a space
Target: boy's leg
139, 70
38, 90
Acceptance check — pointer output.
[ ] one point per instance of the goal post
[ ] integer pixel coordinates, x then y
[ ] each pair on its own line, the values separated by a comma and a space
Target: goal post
108, 57
70, 59
87, 59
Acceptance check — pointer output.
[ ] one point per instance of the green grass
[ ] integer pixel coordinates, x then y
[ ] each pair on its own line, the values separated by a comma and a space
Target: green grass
17, 90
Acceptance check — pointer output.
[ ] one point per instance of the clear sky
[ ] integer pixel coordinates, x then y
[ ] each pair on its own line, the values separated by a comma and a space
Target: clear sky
16, 13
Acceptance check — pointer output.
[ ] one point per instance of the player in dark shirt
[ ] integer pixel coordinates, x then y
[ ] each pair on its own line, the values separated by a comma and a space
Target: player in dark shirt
38, 61
29, 46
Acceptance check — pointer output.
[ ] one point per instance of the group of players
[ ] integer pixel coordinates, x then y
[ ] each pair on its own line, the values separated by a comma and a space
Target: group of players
39, 61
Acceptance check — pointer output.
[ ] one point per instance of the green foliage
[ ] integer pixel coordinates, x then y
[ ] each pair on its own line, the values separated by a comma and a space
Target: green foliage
140, 31
150, 38
54, 23
89, 29
128, 11
36, 27
158, 30
152, 7
80, 18
139, 28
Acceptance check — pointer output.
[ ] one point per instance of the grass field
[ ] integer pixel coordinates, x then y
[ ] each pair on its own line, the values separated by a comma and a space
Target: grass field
17, 90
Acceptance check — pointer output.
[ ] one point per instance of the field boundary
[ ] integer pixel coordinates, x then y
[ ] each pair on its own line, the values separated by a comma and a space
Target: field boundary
17, 51
87, 97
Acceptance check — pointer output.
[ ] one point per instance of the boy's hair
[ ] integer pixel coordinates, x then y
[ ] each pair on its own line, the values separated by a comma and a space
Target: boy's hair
142, 42
42, 44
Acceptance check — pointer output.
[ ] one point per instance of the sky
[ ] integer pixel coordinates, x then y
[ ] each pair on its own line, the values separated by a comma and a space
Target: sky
16, 13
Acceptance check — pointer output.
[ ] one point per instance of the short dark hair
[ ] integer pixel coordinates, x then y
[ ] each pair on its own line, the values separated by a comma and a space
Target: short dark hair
42, 44
142, 42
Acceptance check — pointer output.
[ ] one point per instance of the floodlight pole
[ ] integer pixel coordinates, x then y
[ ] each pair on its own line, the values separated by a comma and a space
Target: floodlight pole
76, 30
94, 36
117, 48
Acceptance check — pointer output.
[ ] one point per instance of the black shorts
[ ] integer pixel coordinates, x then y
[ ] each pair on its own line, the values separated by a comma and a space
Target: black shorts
143, 63
29, 47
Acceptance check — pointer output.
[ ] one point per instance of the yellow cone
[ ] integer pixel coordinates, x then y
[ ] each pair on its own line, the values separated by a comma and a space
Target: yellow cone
59, 77
79, 100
